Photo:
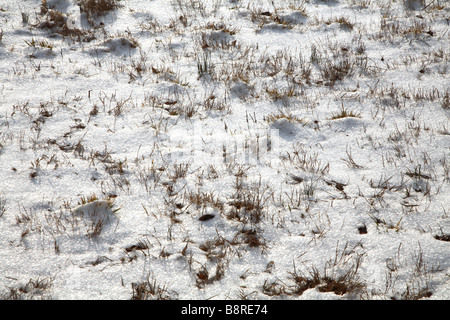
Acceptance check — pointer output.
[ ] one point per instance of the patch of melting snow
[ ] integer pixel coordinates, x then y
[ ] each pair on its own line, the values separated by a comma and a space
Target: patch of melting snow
97, 210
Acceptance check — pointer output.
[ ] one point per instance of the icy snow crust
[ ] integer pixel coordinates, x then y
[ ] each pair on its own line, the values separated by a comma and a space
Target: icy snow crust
236, 149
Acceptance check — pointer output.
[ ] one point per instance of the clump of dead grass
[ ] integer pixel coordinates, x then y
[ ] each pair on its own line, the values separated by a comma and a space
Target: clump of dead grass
98, 7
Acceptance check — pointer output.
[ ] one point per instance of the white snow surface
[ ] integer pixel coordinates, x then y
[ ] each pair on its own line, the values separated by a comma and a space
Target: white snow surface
209, 133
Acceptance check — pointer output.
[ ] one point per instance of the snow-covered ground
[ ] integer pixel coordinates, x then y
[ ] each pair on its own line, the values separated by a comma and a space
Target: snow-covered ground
224, 149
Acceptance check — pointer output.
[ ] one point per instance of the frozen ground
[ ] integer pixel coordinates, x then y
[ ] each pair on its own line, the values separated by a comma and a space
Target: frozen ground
224, 149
